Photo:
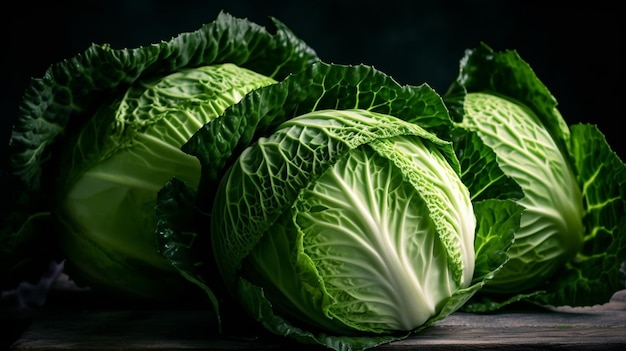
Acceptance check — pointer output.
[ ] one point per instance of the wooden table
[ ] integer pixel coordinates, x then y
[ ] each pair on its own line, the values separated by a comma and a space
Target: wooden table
74, 325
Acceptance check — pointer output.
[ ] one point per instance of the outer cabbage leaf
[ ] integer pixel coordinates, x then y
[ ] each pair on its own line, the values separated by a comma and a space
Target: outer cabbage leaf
497, 221
178, 241
506, 74
253, 298
475, 158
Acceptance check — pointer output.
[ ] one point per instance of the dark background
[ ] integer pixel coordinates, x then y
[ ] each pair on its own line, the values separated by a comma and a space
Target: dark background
574, 51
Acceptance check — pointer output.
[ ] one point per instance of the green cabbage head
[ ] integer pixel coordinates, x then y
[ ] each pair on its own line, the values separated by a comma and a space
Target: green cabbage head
101, 133
116, 165
551, 228
350, 221
513, 143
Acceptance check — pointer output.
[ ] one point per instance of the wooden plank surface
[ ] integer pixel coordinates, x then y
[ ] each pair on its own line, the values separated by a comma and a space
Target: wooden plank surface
73, 326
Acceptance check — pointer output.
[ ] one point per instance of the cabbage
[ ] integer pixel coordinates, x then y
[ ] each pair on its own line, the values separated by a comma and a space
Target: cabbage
551, 228
569, 249
348, 220
100, 134
334, 213
106, 195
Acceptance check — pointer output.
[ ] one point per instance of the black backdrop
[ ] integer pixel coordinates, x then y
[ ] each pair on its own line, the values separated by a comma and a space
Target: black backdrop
575, 51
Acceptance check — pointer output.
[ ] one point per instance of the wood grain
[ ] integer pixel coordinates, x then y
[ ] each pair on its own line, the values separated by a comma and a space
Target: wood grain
601, 327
